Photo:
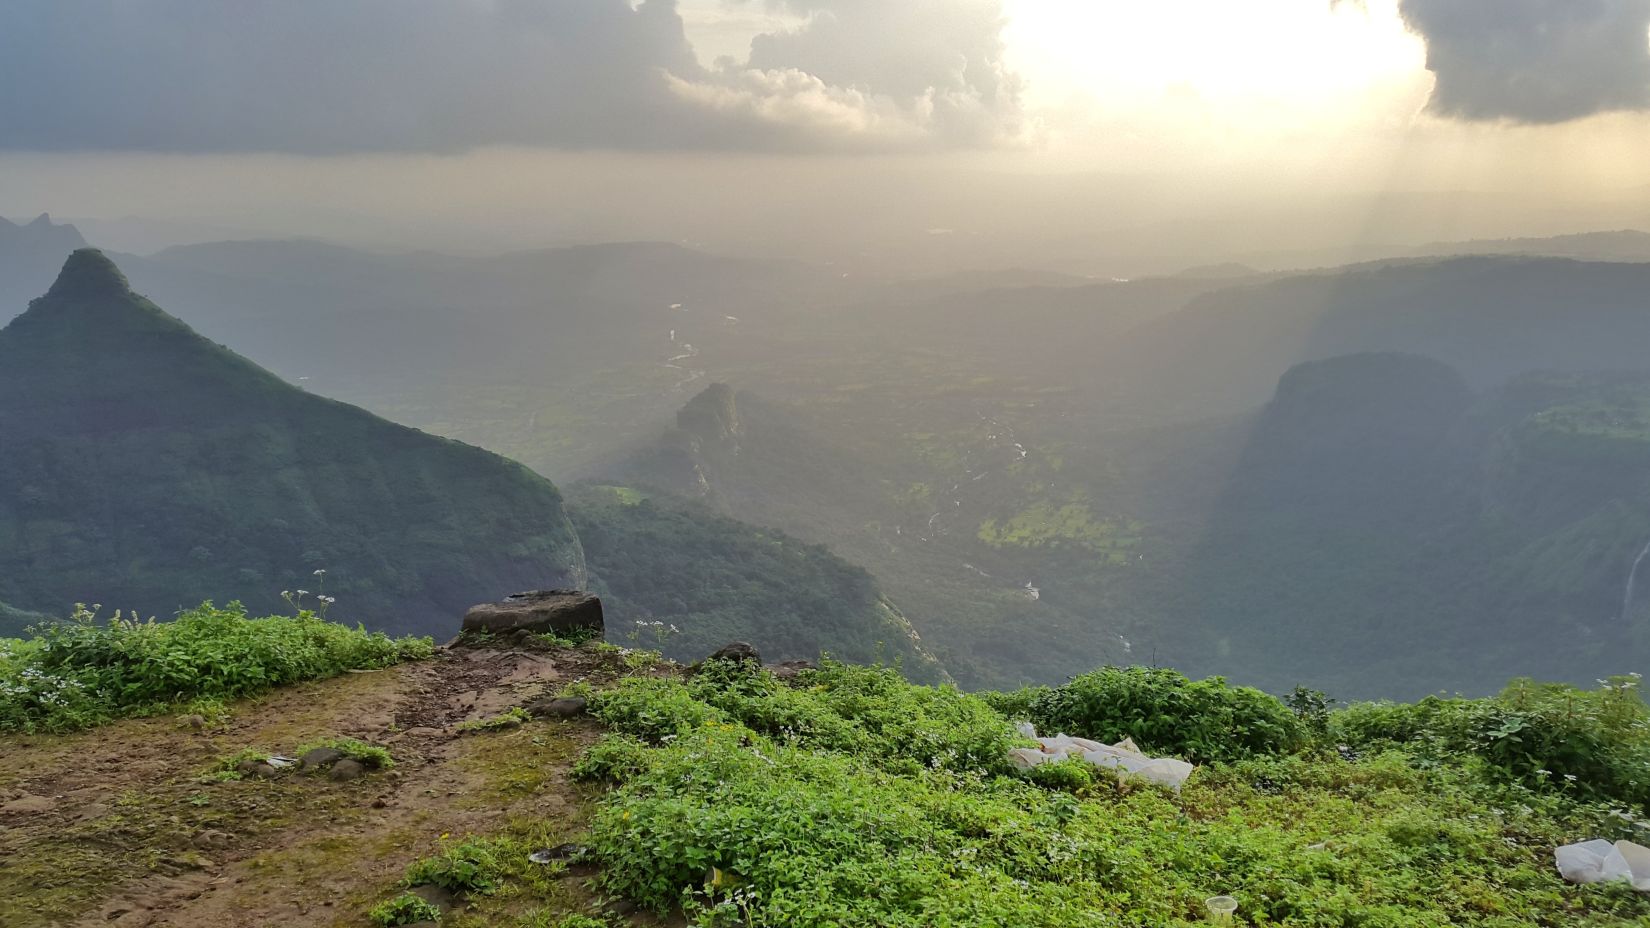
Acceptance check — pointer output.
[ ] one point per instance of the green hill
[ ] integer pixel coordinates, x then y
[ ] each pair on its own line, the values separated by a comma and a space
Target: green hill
144, 467
1388, 532
874, 503
659, 559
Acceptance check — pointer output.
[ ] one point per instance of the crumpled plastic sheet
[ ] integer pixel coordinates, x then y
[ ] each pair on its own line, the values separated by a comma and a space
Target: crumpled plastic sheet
1123, 757
1599, 861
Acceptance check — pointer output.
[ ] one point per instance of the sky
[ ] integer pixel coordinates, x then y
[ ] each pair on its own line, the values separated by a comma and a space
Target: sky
1097, 136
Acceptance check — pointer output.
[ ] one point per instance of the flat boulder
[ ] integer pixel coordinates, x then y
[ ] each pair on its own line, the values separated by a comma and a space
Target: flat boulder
555, 612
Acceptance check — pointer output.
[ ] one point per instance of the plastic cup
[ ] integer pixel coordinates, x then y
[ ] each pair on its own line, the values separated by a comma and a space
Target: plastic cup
1220, 909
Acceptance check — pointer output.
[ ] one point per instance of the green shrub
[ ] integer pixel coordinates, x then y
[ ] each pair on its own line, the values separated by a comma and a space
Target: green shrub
1550, 736
1165, 713
808, 807
615, 759
652, 708
405, 909
870, 710
81, 673
470, 866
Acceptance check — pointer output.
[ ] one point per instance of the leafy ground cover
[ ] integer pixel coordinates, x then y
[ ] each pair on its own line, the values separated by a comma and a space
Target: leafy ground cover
81, 673
845, 796
855, 798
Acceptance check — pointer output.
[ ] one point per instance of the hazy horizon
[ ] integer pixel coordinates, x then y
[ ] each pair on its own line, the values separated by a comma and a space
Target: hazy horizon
1105, 138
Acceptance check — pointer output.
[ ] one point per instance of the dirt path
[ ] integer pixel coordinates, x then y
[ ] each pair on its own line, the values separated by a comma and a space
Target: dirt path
119, 827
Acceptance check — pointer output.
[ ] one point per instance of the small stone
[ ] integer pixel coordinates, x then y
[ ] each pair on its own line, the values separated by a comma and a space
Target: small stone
564, 708
320, 757
380, 803
347, 769
559, 852
262, 771
211, 837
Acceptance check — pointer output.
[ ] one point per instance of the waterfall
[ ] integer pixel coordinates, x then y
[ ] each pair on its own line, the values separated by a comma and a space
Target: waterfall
1632, 576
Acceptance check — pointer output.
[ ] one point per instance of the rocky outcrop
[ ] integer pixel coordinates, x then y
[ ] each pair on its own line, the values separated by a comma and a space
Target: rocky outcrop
557, 612
712, 416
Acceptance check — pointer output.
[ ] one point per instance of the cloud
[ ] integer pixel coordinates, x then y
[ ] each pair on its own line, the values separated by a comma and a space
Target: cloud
1534, 61
347, 76
939, 62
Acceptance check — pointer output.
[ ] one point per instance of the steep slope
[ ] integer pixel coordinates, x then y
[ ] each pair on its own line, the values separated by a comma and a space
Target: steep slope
144, 467
659, 559
1388, 533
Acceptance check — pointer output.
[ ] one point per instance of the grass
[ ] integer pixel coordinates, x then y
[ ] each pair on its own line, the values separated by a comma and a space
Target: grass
371, 756
405, 909
83, 672
513, 717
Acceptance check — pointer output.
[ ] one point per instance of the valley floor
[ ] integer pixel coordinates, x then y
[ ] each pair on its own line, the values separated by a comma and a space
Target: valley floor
124, 825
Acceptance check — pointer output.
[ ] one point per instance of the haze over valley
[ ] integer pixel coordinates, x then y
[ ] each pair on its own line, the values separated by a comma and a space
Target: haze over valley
825, 463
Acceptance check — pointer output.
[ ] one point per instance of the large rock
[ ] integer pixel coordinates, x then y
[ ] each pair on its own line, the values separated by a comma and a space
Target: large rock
541, 611
739, 652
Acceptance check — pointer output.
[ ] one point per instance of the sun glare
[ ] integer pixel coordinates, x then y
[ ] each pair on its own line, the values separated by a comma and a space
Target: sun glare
1280, 51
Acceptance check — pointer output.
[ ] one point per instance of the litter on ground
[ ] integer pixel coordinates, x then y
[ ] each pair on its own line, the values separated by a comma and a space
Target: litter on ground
1599, 861
1123, 757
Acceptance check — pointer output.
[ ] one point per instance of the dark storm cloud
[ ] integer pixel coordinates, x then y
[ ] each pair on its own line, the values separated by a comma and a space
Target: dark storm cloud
340, 76
1534, 61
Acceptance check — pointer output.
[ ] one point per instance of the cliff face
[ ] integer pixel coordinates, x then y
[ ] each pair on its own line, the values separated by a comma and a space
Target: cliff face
144, 467
1385, 524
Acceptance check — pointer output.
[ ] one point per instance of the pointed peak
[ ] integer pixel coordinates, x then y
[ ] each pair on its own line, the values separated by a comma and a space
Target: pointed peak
44, 219
713, 414
89, 275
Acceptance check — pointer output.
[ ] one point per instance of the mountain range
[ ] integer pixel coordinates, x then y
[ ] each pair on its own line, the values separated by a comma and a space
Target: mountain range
1378, 479
145, 468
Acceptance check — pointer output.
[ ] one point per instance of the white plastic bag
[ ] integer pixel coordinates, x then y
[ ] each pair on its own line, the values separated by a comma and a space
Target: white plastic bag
1027, 758
1599, 861
1131, 763
1123, 757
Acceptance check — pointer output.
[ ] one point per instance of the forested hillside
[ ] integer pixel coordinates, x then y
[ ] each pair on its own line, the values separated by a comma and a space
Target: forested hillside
146, 468
675, 575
